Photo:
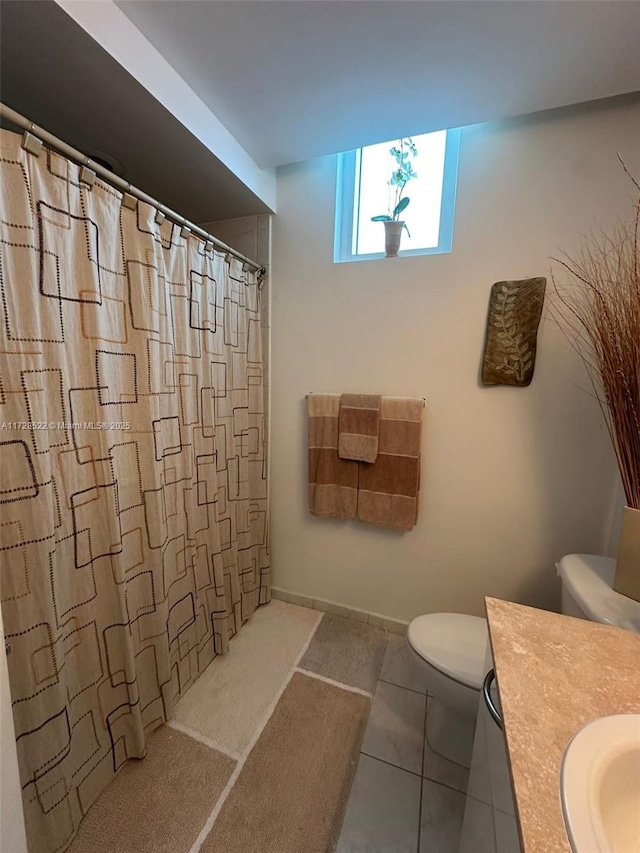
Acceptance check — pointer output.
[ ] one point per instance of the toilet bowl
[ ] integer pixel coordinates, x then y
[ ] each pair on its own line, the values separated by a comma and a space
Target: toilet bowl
451, 649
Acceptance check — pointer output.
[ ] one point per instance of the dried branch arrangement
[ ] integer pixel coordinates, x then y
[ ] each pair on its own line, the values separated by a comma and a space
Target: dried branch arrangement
597, 303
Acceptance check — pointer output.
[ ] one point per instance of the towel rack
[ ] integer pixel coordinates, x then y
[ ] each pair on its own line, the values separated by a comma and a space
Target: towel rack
306, 397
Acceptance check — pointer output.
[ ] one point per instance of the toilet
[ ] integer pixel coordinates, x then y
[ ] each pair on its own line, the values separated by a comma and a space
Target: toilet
451, 647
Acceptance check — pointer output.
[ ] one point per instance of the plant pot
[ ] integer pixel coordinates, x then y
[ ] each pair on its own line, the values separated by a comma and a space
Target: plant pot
627, 580
392, 235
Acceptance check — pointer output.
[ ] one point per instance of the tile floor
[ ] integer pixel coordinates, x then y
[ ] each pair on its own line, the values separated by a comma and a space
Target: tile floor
405, 798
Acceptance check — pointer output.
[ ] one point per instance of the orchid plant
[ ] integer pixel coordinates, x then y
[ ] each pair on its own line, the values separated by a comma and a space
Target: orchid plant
402, 173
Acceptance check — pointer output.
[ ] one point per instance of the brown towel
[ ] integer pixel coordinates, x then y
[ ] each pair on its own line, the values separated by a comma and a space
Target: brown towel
388, 489
359, 425
333, 482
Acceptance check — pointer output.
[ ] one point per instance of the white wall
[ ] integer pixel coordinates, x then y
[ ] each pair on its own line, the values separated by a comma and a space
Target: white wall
512, 478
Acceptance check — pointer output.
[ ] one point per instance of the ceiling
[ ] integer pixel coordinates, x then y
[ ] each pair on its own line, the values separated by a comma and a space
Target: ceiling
56, 75
302, 78
294, 79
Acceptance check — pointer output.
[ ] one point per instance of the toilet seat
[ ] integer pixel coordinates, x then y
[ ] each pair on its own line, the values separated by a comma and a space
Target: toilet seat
453, 643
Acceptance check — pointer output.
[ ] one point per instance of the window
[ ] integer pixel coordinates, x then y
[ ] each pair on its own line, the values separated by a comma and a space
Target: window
363, 191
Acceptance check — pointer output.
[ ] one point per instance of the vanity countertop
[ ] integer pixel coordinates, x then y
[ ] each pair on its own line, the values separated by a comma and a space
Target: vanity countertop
555, 674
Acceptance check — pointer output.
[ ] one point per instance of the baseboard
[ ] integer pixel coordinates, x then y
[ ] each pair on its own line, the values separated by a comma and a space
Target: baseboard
394, 626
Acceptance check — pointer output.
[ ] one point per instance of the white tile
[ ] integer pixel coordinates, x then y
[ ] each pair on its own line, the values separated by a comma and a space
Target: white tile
477, 828
300, 600
395, 732
442, 770
265, 302
479, 786
383, 813
400, 666
358, 615
240, 234
266, 363
330, 607
280, 594
501, 792
263, 245
441, 821
393, 626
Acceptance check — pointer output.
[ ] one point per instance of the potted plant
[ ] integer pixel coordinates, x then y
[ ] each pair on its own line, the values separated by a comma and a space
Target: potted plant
599, 307
398, 202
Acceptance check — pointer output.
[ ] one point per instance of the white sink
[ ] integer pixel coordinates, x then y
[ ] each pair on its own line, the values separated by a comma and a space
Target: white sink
600, 786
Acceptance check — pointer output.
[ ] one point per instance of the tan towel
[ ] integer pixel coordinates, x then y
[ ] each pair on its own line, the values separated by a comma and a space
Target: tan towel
333, 482
388, 489
359, 426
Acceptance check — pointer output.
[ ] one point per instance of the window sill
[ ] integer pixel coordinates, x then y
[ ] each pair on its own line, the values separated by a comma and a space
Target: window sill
380, 256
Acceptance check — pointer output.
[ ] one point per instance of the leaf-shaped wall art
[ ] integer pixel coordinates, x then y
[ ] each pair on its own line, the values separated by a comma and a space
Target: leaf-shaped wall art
515, 309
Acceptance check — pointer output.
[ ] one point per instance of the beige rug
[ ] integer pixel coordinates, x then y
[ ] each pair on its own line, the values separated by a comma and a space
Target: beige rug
232, 696
159, 804
346, 651
291, 794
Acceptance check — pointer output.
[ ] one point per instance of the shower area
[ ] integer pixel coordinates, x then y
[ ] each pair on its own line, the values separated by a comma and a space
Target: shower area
133, 466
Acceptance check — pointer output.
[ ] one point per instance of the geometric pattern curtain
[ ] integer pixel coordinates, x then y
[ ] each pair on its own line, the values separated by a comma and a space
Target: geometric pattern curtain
133, 526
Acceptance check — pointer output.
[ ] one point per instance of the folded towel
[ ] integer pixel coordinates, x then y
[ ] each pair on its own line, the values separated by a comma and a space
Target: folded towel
333, 482
359, 425
388, 489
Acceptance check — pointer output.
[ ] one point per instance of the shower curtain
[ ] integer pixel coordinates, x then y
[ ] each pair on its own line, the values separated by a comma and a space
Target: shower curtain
133, 490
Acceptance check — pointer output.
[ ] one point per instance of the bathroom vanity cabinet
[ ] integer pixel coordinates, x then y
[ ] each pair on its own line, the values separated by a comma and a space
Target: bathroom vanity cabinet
489, 824
556, 674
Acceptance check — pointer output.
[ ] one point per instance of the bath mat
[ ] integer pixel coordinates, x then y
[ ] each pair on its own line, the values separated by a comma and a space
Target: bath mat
159, 804
231, 697
515, 309
292, 792
346, 651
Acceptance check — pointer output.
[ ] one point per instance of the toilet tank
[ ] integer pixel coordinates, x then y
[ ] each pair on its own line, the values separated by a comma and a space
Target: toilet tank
587, 592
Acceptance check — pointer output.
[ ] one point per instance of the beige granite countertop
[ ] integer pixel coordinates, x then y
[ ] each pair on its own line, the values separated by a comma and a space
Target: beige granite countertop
555, 674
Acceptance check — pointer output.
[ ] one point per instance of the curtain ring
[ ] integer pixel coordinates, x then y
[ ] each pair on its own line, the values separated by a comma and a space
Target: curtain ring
128, 200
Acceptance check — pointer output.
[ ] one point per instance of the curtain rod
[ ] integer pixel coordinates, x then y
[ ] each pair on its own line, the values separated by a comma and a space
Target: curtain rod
111, 178
306, 397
